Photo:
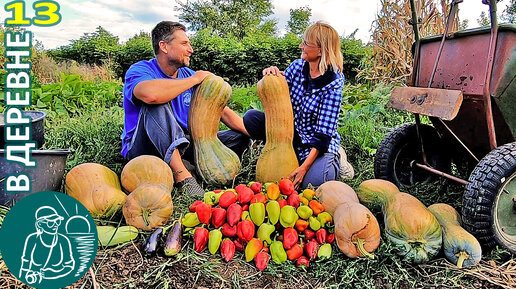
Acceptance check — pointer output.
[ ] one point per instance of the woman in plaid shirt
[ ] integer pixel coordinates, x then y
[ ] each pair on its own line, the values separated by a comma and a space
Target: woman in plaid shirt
315, 82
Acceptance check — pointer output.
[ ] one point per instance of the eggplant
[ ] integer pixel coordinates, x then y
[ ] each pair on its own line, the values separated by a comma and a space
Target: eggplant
152, 242
173, 243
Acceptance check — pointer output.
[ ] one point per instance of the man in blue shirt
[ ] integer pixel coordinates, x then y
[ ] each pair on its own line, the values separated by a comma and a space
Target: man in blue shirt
157, 94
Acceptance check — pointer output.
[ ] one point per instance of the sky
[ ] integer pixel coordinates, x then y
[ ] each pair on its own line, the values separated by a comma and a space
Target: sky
124, 18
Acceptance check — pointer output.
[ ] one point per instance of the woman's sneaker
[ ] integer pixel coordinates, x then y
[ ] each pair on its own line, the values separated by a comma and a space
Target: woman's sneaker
346, 169
190, 186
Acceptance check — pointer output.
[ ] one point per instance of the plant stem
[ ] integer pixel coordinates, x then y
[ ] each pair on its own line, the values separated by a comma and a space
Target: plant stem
462, 257
360, 245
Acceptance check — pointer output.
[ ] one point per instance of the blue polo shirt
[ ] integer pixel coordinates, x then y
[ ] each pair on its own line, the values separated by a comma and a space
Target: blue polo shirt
149, 70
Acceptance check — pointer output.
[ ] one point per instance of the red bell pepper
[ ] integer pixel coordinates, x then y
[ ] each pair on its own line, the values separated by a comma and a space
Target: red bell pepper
256, 187
331, 238
321, 235
234, 214
203, 211
259, 198
286, 187
229, 231
262, 260
245, 230
309, 234
239, 245
293, 200
194, 205
290, 238
218, 217
295, 252
227, 250
311, 249
201, 236
302, 262
282, 203
245, 207
239, 188
227, 198
245, 195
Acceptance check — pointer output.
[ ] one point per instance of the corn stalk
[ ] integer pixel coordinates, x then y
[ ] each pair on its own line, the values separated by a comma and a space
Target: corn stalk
392, 37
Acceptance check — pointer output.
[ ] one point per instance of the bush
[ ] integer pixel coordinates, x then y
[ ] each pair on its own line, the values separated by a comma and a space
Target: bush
92, 135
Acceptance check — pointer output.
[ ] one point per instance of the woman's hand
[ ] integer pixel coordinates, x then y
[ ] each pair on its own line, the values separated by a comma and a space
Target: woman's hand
272, 70
297, 176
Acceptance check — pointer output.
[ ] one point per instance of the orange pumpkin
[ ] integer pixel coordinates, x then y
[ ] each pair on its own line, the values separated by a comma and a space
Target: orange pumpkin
97, 188
146, 169
148, 206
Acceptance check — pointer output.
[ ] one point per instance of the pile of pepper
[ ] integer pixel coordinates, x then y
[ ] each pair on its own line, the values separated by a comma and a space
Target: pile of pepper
272, 220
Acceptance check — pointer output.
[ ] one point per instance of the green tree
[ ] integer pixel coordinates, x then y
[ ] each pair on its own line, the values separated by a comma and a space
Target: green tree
238, 18
299, 20
99, 47
509, 13
138, 47
484, 19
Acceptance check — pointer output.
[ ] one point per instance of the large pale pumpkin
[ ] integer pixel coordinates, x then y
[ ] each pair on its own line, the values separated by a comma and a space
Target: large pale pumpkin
277, 159
409, 225
460, 247
146, 169
214, 162
357, 231
97, 188
148, 206
334, 193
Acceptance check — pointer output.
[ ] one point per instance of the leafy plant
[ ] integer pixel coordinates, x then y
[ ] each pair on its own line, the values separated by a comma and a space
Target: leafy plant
92, 135
72, 95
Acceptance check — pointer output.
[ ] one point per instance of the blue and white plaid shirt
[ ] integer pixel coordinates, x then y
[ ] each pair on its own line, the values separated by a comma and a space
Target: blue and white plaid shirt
316, 105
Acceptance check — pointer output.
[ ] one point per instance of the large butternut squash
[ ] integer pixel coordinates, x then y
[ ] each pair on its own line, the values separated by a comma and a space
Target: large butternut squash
97, 188
277, 159
331, 194
409, 225
214, 162
460, 247
356, 229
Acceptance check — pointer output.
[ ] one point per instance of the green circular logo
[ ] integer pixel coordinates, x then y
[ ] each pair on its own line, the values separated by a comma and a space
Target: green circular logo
48, 240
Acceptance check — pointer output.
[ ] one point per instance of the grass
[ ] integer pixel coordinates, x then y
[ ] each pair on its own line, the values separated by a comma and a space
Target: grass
94, 137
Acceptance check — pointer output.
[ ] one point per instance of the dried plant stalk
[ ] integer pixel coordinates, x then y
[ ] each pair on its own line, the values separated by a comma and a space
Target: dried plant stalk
392, 37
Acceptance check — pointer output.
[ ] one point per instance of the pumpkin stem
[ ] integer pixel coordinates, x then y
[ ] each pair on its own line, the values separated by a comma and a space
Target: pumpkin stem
360, 245
145, 216
462, 257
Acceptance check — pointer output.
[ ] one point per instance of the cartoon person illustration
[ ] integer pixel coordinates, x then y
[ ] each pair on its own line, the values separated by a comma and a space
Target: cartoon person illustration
47, 254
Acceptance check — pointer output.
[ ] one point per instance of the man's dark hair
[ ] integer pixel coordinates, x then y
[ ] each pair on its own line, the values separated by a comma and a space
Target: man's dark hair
163, 32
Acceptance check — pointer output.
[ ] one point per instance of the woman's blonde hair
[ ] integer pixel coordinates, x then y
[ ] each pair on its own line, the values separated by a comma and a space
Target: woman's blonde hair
328, 41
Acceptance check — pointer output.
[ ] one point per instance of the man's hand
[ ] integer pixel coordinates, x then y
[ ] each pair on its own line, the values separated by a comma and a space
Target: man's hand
272, 70
297, 176
200, 75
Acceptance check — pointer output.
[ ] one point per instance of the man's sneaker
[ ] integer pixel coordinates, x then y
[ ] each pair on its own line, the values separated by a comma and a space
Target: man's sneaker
190, 186
346, 169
